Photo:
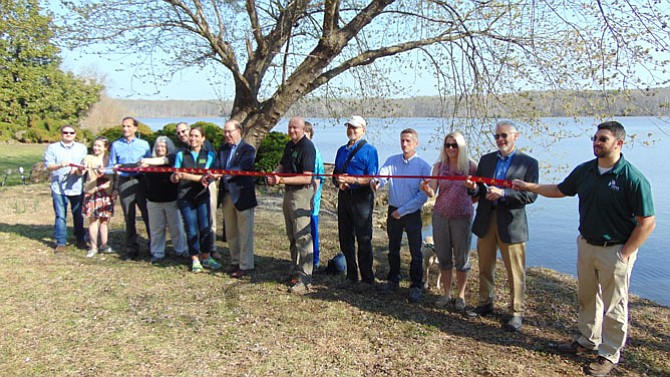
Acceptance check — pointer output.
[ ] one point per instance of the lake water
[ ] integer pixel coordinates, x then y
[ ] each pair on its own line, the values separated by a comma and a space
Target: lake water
553, 222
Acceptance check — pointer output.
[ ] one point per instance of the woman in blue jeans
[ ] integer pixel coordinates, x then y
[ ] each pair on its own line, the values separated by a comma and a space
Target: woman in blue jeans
193, 200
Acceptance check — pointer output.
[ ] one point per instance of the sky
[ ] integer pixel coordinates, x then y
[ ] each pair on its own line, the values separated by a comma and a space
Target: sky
189, 84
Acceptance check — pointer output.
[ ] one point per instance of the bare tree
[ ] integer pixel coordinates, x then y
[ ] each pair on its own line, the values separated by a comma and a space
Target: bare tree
276, 52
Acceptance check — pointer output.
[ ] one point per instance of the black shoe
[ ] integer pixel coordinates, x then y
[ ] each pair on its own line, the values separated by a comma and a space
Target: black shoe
81, 245
131, 255
514, 324
480, 311
414, 294
390, 287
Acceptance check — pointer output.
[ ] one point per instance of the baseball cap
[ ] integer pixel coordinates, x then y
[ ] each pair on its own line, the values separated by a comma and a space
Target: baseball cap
356, 121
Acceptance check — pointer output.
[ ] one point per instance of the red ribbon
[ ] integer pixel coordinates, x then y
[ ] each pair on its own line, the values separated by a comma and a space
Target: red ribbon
202, 171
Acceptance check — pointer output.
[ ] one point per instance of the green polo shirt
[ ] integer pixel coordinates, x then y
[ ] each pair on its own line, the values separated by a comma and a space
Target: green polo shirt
608, 203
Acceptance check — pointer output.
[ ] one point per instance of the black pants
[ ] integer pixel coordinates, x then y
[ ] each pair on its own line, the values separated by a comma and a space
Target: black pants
410, 223
133, 192
354, 222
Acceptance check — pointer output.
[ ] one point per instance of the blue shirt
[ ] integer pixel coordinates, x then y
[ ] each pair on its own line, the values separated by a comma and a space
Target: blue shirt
128, 152
364, 162
502, 166
62, 182
319, 171
404, 193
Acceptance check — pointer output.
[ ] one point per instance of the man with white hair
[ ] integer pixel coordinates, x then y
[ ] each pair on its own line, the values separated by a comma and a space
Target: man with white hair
500, 222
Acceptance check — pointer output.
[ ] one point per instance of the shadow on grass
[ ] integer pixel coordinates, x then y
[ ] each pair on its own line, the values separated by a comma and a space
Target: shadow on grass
39, 233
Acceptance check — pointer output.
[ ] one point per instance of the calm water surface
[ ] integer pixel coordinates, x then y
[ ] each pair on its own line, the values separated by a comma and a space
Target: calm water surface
553, 222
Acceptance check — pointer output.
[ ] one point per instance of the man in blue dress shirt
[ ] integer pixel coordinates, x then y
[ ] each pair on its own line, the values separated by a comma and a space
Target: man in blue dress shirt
355, 202
405, 200
129, 149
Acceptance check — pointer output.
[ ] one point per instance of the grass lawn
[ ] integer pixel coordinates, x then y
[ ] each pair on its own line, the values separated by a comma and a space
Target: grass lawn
15, 155
68, 315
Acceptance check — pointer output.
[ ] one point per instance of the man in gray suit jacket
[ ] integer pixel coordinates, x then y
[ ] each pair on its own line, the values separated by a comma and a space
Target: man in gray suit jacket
500, 222
237, 193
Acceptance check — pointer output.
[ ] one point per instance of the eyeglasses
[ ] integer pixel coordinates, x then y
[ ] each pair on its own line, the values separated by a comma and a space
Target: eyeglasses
229, 131
450, 145
502, 135
68, 132
182, 132
602, 139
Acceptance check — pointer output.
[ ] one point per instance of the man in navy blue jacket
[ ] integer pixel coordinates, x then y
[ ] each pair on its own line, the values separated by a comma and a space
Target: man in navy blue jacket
238, 195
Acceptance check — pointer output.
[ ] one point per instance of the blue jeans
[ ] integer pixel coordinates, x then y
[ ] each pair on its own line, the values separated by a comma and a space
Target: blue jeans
314, 226
196, 221
60, 203
411, 224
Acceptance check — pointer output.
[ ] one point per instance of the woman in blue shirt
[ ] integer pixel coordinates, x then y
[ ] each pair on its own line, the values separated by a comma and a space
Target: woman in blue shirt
193, 200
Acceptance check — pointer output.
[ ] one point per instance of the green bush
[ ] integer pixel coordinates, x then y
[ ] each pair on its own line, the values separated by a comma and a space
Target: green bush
270, 151
143, 132
213, 132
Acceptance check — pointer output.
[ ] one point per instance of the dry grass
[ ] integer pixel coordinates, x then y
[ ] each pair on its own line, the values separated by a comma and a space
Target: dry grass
68, 315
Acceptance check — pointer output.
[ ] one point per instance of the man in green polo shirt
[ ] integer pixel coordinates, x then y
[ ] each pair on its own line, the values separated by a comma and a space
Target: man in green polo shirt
616, 215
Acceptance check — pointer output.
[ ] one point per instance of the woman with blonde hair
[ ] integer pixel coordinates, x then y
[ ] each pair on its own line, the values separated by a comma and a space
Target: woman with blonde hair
452, 216
98, 199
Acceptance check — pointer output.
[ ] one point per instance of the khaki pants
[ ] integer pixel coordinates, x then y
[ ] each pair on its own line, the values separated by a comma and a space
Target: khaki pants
239, 228
514, 257
604, 279
297, 208
213, 198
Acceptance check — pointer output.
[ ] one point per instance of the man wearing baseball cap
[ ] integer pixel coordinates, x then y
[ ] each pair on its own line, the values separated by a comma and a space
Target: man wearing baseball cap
355, 201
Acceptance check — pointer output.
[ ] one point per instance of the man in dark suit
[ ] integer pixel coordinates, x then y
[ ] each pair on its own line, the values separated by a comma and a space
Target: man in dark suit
238, 195
500, 222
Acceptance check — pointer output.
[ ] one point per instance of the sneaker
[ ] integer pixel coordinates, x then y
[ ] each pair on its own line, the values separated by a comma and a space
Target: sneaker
298, 288
211, 263
443, 301
600, 368
59, 249
414, 294
155, 260
91, 253
458, 304
106, 249
196, 267
574, 348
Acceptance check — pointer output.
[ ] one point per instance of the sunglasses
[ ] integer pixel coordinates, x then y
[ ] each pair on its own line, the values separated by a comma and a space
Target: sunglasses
450, 145
602, 139
68, 132
502, 135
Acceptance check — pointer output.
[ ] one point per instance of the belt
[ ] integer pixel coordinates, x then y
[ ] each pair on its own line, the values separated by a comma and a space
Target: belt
603, 243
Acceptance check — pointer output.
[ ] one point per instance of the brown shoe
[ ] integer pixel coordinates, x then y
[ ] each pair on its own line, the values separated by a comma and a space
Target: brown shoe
229, 269
599, 368
59, 249
299, 288
240, 274
575, 348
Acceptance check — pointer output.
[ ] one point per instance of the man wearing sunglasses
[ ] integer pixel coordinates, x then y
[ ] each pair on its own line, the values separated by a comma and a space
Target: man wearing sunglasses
616, 216
500, 222
66, 186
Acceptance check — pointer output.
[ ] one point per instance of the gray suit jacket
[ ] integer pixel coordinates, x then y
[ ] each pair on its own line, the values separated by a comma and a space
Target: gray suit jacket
511, 212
